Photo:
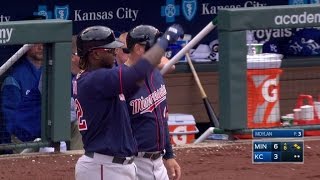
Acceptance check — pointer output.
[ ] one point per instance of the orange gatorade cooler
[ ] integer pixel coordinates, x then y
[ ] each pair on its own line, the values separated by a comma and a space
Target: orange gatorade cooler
182, 128
263, 90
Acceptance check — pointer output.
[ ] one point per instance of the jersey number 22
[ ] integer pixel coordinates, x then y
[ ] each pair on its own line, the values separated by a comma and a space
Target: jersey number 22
82, 124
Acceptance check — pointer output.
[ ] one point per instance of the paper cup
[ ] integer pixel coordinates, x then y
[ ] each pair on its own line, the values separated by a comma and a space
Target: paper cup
297, 114
317, 108
307, 112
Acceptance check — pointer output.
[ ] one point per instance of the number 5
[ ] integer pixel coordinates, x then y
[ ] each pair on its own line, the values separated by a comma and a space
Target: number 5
82, 124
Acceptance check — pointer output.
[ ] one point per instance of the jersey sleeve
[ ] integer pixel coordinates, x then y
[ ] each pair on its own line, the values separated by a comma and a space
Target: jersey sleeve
11, 97
168, 147
109, 83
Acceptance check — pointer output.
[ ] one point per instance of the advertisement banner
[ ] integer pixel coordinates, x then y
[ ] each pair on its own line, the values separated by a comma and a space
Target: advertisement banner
122, 15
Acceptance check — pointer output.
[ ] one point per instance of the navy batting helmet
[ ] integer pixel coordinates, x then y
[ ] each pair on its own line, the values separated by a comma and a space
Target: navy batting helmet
143, 34
96, 37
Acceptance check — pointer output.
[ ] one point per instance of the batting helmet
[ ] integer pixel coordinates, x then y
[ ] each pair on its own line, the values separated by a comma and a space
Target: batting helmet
143, 34
96, 37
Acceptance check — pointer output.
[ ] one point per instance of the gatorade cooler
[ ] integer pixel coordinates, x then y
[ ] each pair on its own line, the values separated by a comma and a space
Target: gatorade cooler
182, 128
263, 90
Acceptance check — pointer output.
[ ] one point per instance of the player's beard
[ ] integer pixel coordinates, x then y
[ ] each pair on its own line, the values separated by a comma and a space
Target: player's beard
107, 63
37, 56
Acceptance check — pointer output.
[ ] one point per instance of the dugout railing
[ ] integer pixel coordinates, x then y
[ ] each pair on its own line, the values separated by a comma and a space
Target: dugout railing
56, 78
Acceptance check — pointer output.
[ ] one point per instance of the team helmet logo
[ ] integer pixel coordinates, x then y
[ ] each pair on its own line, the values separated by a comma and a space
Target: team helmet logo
189, 8
61, 12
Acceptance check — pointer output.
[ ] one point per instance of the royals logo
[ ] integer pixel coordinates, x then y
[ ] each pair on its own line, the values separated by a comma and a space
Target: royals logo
189, 8
61, 12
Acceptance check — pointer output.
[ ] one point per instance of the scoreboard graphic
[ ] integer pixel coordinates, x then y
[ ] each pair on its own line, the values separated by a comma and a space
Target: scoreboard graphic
277, 146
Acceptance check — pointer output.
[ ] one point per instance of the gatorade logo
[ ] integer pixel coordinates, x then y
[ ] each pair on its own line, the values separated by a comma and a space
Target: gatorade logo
180, 139
304, 18
5, 35
269, 90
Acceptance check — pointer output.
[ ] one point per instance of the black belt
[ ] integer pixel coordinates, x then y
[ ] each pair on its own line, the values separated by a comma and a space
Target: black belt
153, 155
118, 160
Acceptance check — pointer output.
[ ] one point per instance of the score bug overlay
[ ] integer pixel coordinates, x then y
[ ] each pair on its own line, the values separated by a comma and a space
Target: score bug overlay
277, 146
277, 133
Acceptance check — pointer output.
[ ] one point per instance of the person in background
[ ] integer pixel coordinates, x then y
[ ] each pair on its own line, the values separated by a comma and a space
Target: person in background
76, 139
165, 60
21, 98
121, 57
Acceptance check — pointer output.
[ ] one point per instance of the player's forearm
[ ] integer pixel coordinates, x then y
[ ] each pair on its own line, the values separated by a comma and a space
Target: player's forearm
172, 34
169, 151
154, 54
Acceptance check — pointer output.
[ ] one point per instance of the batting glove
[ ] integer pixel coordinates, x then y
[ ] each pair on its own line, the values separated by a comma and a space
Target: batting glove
172, 34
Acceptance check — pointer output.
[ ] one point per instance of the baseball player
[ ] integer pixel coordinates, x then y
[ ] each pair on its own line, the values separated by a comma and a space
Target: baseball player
148, 113
102, 114
121, 57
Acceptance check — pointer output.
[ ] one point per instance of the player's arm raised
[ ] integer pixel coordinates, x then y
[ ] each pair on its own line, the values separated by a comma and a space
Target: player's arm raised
128, 77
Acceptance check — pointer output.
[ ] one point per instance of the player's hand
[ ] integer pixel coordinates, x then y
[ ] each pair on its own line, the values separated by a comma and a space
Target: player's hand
173, 168
173, 33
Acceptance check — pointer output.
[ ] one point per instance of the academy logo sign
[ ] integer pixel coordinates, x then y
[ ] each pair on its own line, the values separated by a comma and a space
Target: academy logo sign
189, 9
5, 35
61, 12
304, 18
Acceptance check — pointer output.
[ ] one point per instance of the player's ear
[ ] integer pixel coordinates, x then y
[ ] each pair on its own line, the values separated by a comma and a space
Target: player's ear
116, 51
138, 49
96, 55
